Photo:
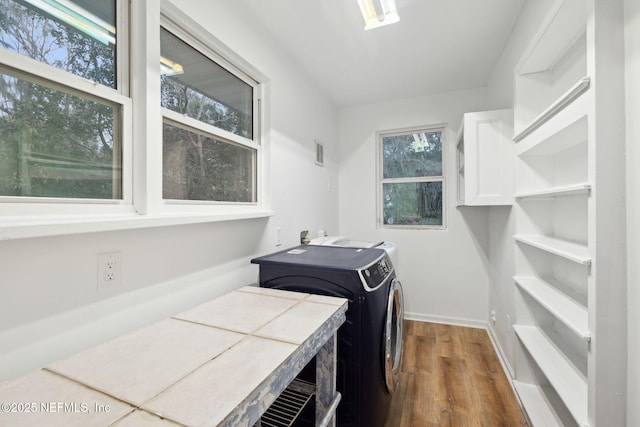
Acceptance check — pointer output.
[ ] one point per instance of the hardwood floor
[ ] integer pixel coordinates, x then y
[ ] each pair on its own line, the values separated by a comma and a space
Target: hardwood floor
451, 376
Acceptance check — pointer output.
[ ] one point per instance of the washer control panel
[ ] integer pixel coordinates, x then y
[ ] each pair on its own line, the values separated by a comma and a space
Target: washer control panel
375, 274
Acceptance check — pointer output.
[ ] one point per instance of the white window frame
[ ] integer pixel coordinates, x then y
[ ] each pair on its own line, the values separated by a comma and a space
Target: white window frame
380, 180
47, 75
204, 43
138, 95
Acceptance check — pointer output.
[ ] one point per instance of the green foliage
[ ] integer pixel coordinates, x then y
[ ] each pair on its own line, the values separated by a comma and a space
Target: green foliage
183, 99
53, 143
414, 203
200, 168
196, 166
415, 156
412, 155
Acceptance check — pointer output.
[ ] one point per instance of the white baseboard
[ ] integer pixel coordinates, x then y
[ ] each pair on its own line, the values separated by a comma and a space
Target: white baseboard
456, 321
507, 368
504, 360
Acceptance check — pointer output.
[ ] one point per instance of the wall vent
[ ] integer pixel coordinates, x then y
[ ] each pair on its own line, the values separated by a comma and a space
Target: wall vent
319, 153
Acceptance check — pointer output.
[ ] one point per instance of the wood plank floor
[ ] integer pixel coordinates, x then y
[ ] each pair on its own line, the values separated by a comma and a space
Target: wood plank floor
451, 376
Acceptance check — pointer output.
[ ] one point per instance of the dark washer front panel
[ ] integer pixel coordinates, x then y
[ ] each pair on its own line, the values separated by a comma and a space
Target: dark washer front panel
339, 271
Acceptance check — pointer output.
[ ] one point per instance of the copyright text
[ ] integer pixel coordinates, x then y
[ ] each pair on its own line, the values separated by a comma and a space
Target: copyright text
53, 407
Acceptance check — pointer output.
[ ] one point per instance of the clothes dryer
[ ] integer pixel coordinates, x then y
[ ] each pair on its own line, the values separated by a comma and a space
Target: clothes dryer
370, 340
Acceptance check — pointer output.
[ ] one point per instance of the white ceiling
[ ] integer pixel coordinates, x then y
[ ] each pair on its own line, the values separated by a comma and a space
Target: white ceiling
438, 45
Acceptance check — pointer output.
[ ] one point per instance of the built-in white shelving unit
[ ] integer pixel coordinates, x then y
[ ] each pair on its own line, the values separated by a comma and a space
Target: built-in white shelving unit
483, 155
569, 239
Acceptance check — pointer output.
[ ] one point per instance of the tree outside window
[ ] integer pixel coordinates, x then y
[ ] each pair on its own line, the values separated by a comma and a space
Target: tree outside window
212, 159
412, 179
72, 117
56, 141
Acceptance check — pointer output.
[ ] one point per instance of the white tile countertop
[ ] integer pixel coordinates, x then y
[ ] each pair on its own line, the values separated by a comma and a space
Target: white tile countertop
219, 364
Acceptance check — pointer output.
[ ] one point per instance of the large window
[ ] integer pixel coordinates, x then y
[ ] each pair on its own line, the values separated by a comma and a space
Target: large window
208, 147
411, 178
87, 127
59, 139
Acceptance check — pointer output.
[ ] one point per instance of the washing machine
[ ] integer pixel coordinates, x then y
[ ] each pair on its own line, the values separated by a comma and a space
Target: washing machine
370, 340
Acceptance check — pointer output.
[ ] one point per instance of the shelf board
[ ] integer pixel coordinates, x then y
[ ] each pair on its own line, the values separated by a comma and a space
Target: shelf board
562, 131
563, 376
572, 251
568, 190
558, 105
538, 408
564, 308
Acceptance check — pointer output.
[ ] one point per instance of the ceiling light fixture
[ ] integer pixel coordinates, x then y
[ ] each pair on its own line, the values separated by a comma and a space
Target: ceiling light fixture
377, 13
170, 68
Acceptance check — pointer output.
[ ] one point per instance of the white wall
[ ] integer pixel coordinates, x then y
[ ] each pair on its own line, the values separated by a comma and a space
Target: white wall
500, 92
50, 307
443, 272
632, 59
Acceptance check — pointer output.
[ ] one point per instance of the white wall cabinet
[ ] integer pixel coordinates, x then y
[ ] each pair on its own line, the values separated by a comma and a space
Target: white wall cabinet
484, 159
569, 207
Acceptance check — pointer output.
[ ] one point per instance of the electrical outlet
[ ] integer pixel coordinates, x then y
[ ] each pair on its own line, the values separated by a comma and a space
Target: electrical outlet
509, 328
109, 269
493, 316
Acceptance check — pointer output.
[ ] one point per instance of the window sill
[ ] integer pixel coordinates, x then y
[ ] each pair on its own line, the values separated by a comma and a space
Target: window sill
44, 225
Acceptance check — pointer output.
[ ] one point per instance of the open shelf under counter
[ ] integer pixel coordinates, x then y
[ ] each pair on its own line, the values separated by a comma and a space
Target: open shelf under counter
572, 251
561, 306
566, 190
536, 405
566, 380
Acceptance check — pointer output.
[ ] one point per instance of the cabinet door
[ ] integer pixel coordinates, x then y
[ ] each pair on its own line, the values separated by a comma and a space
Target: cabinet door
488, 153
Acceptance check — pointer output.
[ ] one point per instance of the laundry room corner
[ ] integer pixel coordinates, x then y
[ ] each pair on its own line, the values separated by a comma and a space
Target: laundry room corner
444, 271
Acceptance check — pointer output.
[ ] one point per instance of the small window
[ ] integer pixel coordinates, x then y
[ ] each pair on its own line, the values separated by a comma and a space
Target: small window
209, 137
411, 181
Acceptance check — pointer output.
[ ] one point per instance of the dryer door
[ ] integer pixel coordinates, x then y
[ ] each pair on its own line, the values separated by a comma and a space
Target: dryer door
393, 336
